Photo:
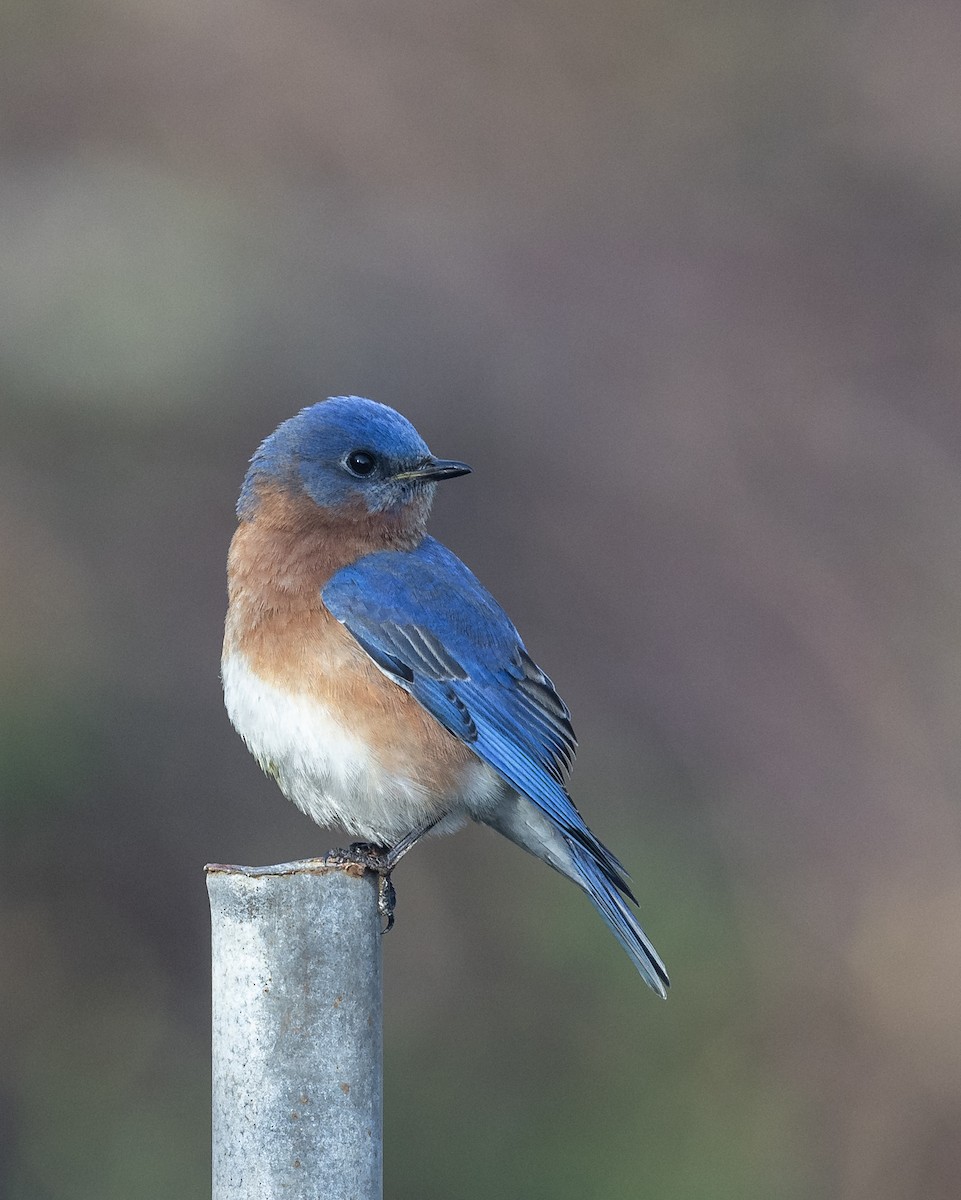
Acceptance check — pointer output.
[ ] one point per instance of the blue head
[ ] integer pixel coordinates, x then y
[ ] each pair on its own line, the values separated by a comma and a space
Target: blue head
350, 454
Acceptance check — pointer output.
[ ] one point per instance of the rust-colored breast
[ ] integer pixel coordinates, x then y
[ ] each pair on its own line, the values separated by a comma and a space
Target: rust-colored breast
278, 564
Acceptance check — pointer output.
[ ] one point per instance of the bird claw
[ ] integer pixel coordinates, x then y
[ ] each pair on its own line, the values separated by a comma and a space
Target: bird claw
386, 902
371, 854
376, 859
360, 854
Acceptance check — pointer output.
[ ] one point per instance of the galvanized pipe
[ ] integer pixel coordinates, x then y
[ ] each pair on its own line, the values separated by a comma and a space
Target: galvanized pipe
297, 1033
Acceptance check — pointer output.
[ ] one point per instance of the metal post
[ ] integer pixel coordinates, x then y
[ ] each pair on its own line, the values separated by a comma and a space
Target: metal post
297, 1033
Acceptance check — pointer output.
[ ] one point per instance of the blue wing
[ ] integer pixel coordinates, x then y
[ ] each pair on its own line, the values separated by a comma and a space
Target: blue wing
424, 618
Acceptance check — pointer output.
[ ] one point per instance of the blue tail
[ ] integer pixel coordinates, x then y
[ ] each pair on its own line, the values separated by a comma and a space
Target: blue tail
612, 906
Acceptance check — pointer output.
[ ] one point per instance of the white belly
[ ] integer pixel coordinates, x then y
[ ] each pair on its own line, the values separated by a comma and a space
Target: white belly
329, 773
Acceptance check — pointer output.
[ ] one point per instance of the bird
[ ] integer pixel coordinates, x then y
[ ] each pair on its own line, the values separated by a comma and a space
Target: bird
376, 680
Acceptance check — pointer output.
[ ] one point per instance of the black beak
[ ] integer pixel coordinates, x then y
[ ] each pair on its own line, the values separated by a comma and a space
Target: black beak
435, 469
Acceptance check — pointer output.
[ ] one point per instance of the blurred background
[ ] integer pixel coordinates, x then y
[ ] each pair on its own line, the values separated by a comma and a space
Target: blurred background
681, 281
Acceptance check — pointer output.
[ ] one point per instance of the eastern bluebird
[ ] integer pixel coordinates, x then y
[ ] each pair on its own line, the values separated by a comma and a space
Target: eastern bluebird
375, 679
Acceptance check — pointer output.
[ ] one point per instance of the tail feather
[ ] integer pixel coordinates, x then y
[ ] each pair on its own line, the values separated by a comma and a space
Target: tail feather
613, 908
590, 865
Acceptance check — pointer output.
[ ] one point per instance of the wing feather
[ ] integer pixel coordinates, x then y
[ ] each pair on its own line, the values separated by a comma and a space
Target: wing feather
425, 619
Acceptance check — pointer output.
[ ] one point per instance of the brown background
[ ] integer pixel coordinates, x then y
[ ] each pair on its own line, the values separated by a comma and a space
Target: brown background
681, 281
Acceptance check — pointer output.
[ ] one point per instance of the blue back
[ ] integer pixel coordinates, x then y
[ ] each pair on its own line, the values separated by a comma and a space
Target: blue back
427, 621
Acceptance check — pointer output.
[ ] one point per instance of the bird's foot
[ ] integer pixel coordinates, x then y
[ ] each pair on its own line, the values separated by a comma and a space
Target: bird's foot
386, 901
378, 860
372, 852
361, 854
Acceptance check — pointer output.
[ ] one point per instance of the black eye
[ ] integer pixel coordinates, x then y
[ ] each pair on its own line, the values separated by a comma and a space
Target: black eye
360, 462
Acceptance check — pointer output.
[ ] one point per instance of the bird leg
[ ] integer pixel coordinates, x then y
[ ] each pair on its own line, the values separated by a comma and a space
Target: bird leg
381, 860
